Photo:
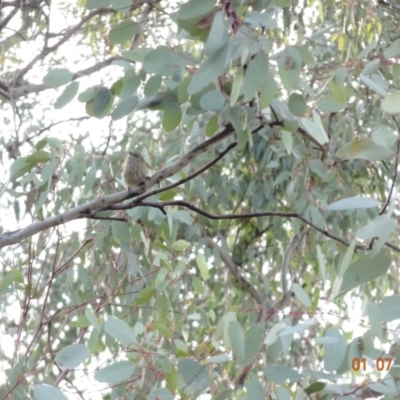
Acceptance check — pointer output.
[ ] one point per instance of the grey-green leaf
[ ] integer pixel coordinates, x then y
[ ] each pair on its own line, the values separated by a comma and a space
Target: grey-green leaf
71, 356
115, 373
67, 95
124, 108
58, 77
48, 392
280, 373
119, 330
210, 70
212, 101
123, 32
334, 353
353, 203
237, 340
194, 374
364, 270
218, 35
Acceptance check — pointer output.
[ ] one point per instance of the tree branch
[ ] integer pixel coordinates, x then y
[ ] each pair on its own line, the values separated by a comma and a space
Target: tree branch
286, 214
233, 269
93, 207
17, 92
64, 39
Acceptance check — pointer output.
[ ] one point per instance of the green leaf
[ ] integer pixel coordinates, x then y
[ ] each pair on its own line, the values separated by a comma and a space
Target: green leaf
219, 358
120, 232
157, 60
152, 85
209, 71
160, 394
67, 95
268, 91
116, 87
385, 136
297, 104
172, 116
373, 85
119, 330
194, 374
255, 336
237, 340
163, 329
393, 50
353, 203
71, 356
339, 92
124, 108
48, 392
90, 93
348, 256
289, 65
366, 149
6, 281
202, 265
391, 103
91, 317
198, 285
40, 156
371, 46
280, 373
18, 276
321, 263
389, 308
101, 103
374, 316
58, 77
254, 389
255, 75
90, 179
179, 245
329, 104
218, 36
114, 373
315, 388
195, 8
145, 295
122, 32
287, 140
48, 171
380, 225
95, 4
371, 68
129, 87
212, 101
364, 270
301, 295
121, 5
236, 86
212, 126
155, 102
334, 353
316, 130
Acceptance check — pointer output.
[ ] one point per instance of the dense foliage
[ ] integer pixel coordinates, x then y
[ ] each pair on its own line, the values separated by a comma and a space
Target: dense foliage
259, 259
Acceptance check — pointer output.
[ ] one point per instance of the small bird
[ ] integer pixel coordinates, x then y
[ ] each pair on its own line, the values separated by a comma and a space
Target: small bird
134, 169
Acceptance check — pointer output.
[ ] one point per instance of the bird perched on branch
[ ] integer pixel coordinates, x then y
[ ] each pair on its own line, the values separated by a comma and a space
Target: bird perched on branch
134, 169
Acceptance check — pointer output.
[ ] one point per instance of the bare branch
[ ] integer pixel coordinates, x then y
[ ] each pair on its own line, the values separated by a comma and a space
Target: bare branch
286, 214
36, 88
234, 270
65, 38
